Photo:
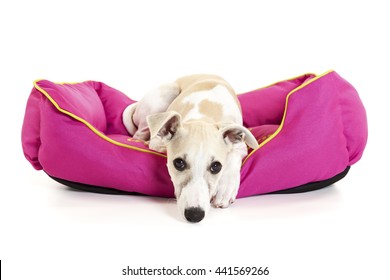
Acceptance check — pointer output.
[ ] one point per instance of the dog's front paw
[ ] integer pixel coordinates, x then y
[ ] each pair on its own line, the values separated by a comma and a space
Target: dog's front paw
157, 145
222, 199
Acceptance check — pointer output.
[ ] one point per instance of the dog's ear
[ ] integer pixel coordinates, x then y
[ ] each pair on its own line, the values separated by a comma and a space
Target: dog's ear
235, 133
164, 125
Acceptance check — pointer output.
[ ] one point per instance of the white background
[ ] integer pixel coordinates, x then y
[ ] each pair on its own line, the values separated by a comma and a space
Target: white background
50, 232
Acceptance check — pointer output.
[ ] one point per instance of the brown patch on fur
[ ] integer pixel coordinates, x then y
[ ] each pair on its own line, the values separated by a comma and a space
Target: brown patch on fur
211, 109
194, 83
199, 82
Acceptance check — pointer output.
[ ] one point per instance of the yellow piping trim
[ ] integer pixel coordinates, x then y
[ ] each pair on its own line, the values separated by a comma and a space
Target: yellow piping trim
91, 127
103, 136
285, 110
290, 79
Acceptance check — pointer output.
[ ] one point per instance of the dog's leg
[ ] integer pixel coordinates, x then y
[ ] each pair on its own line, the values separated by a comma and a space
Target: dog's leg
153, 102
229, 183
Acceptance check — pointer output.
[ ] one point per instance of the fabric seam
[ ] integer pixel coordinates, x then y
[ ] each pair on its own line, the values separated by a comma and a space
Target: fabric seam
90, 126
317, 77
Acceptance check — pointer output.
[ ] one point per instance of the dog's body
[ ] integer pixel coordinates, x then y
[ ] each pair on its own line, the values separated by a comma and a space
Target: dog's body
197, 120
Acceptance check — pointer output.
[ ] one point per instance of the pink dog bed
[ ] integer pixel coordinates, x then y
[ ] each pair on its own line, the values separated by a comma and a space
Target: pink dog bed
311, 129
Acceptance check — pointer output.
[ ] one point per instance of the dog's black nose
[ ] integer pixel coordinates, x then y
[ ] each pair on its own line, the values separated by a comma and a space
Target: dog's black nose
194, 214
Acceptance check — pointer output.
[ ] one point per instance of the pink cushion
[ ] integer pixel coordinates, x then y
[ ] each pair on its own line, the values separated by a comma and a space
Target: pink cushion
310, 129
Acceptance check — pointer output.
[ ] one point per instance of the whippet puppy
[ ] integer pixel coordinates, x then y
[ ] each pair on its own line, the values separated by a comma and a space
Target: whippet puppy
197, 121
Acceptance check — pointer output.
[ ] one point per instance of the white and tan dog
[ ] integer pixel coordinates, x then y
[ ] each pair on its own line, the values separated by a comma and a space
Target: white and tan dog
197, 120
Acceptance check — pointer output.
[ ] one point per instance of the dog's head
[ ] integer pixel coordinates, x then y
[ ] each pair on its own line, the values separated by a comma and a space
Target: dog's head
197, 157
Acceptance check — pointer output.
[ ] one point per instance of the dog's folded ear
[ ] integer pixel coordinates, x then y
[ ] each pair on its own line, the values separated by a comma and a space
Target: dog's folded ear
164, 125
234, 133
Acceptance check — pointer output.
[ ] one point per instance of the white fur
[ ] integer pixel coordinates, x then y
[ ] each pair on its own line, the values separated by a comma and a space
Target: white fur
229, 183
196, 193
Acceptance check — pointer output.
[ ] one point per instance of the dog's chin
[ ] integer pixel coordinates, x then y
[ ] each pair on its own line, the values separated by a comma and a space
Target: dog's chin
192, 213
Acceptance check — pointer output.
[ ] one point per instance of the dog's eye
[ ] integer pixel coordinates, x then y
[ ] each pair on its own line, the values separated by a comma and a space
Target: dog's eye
179, 164
215, 167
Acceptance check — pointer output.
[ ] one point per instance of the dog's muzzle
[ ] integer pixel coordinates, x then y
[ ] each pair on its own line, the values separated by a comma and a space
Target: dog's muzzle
194, 214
